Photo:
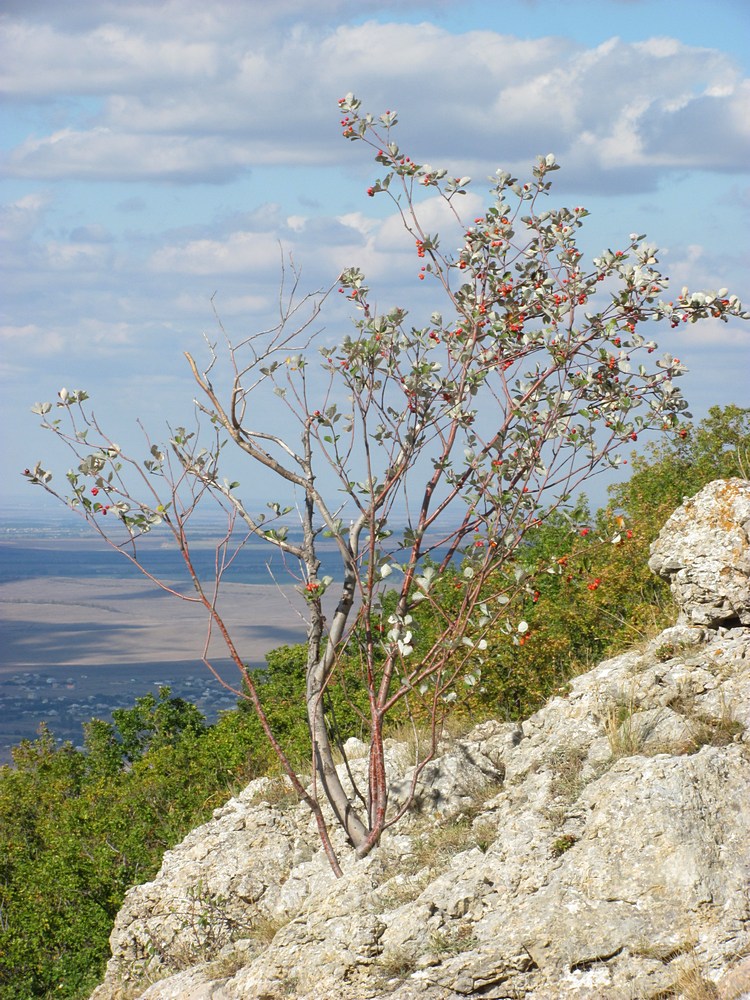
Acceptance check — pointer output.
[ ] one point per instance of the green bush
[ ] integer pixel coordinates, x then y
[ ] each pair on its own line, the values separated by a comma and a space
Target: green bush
78, 828
603, 597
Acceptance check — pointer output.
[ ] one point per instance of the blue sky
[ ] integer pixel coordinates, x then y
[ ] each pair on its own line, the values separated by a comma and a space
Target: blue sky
154, 154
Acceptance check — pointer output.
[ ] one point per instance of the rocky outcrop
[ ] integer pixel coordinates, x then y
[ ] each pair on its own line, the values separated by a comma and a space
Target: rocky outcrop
599, 850
704, 553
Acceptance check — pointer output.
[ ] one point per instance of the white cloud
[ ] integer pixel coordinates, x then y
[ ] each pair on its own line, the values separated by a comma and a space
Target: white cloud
233, 305
379, 246
39, 60
105, 154
19, 219
177, 108
184, 147
241, 252
711, 131
67, 256
33, 339
700, 268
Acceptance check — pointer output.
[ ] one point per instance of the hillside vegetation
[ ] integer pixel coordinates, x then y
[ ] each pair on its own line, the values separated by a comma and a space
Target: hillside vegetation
78, 826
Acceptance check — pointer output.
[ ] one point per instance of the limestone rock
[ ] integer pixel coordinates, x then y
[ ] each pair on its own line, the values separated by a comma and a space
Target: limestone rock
600, 850
704, 552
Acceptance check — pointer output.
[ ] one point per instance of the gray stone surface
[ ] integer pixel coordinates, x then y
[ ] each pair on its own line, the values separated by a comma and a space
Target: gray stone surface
600, 850
704, 552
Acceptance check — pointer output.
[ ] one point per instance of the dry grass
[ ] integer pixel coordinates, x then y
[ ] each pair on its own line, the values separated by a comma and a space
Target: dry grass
704, 730
670, 650
433, 848
403, 888
140, 977
277, 792
566, 784
228, 965
485, 833
264, 929
453, 940
398, 963
436, 847
692, 985
567, 765
628, 735
625, 739
664, 952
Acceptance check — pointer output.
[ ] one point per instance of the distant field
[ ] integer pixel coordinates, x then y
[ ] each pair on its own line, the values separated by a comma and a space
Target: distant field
73, 647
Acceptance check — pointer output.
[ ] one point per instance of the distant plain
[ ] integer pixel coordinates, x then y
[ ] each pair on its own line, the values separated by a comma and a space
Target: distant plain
73, 647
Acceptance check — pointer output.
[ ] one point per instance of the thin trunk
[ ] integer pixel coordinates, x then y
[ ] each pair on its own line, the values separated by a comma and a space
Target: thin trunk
318, 670
378, 786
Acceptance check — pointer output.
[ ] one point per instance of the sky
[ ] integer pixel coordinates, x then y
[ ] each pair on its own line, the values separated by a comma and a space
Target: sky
158, 160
